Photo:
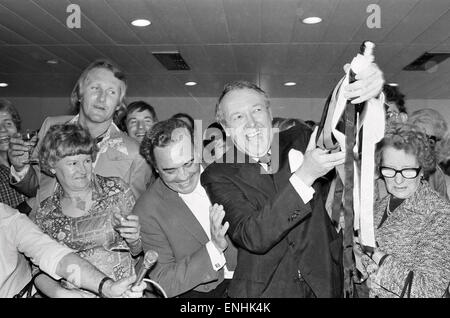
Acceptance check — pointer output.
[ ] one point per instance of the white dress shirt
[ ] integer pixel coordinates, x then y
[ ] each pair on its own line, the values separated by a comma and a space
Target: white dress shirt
198, 203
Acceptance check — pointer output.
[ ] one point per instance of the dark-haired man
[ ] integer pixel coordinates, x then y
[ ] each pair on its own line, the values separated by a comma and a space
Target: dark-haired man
178, 221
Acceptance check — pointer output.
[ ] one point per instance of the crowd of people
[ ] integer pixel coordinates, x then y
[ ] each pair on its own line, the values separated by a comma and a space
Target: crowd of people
231, 215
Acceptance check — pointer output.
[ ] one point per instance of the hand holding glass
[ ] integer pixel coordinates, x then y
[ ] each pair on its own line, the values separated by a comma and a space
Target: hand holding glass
30, 138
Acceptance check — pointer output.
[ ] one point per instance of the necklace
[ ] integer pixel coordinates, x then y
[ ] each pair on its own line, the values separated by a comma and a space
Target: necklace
80, 202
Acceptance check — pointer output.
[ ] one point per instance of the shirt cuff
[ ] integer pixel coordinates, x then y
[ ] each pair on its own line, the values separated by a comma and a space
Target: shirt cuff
217, 258
305, 192
18, 176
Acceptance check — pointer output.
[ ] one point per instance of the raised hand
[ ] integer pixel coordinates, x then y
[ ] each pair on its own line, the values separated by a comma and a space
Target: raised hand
317, 162
218, 231
18, 152
128, 227
369, 84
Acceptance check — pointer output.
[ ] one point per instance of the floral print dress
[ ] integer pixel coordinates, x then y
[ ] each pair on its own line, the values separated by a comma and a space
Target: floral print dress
92, 235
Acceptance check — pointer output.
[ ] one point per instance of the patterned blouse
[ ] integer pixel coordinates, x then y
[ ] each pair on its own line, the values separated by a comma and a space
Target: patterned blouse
416, 235
92, 235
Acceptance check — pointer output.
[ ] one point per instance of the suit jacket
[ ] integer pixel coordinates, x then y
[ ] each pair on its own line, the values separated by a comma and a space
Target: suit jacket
276, 233
170, 228
131, 168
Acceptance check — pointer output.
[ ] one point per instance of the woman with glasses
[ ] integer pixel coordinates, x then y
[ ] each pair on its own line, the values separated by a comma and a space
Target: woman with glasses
412, 223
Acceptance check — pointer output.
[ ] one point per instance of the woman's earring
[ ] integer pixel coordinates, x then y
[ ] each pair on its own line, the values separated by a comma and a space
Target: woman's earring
53, 171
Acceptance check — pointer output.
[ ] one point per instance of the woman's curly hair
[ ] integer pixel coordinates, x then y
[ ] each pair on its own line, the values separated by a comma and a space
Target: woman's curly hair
65, 140
411, 139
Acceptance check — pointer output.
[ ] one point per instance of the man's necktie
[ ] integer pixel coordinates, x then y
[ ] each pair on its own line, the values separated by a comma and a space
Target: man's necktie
266, 159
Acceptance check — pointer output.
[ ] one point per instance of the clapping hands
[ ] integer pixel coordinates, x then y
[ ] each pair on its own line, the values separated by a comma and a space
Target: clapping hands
218, 231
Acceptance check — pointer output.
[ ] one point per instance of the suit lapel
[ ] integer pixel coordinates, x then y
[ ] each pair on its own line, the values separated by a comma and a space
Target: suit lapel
283, 173
251, 173
184, 214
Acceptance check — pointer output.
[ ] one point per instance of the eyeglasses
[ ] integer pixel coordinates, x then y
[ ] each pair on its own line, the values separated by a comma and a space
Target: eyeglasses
407, 173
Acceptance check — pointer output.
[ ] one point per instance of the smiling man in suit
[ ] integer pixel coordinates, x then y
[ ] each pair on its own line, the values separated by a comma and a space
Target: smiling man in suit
98, 94
178, 221
271, 188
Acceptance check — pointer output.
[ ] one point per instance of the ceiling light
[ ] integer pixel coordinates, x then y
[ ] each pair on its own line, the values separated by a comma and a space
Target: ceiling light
312, 20
190, 83
393, 84
141, 22
52, 61
3, 84
290, 84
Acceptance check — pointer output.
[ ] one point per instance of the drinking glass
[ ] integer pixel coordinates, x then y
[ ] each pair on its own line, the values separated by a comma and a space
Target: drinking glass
116, 242
27, 137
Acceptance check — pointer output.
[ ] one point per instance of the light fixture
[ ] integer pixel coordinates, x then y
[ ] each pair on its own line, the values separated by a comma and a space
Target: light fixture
141, 22
3, 84
393, 84
312, 20
290, 84
190, 83
52, 61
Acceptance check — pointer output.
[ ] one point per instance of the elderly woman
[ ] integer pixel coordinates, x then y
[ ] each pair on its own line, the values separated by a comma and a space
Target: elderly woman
412, 223
435, 127
138, 118
84, 209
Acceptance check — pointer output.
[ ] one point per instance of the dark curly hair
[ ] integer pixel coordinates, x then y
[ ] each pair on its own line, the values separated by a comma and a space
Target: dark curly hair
160, 135
411, 139
392, 94
65, 140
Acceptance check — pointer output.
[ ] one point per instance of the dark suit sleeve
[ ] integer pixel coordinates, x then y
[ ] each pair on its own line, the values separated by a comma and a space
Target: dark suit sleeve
175, 276
255, 229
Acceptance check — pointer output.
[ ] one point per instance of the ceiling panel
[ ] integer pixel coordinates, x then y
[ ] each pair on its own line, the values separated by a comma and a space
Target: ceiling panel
117, 53
391, 12
277, 21
8, 36
141, 9
421, 17
299, 58
349, 16
247, 58
273, 58
221, 58
313, 8
176, 21
14, 22
243, 21
221, 40
212, 14
104, 17
44, 20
